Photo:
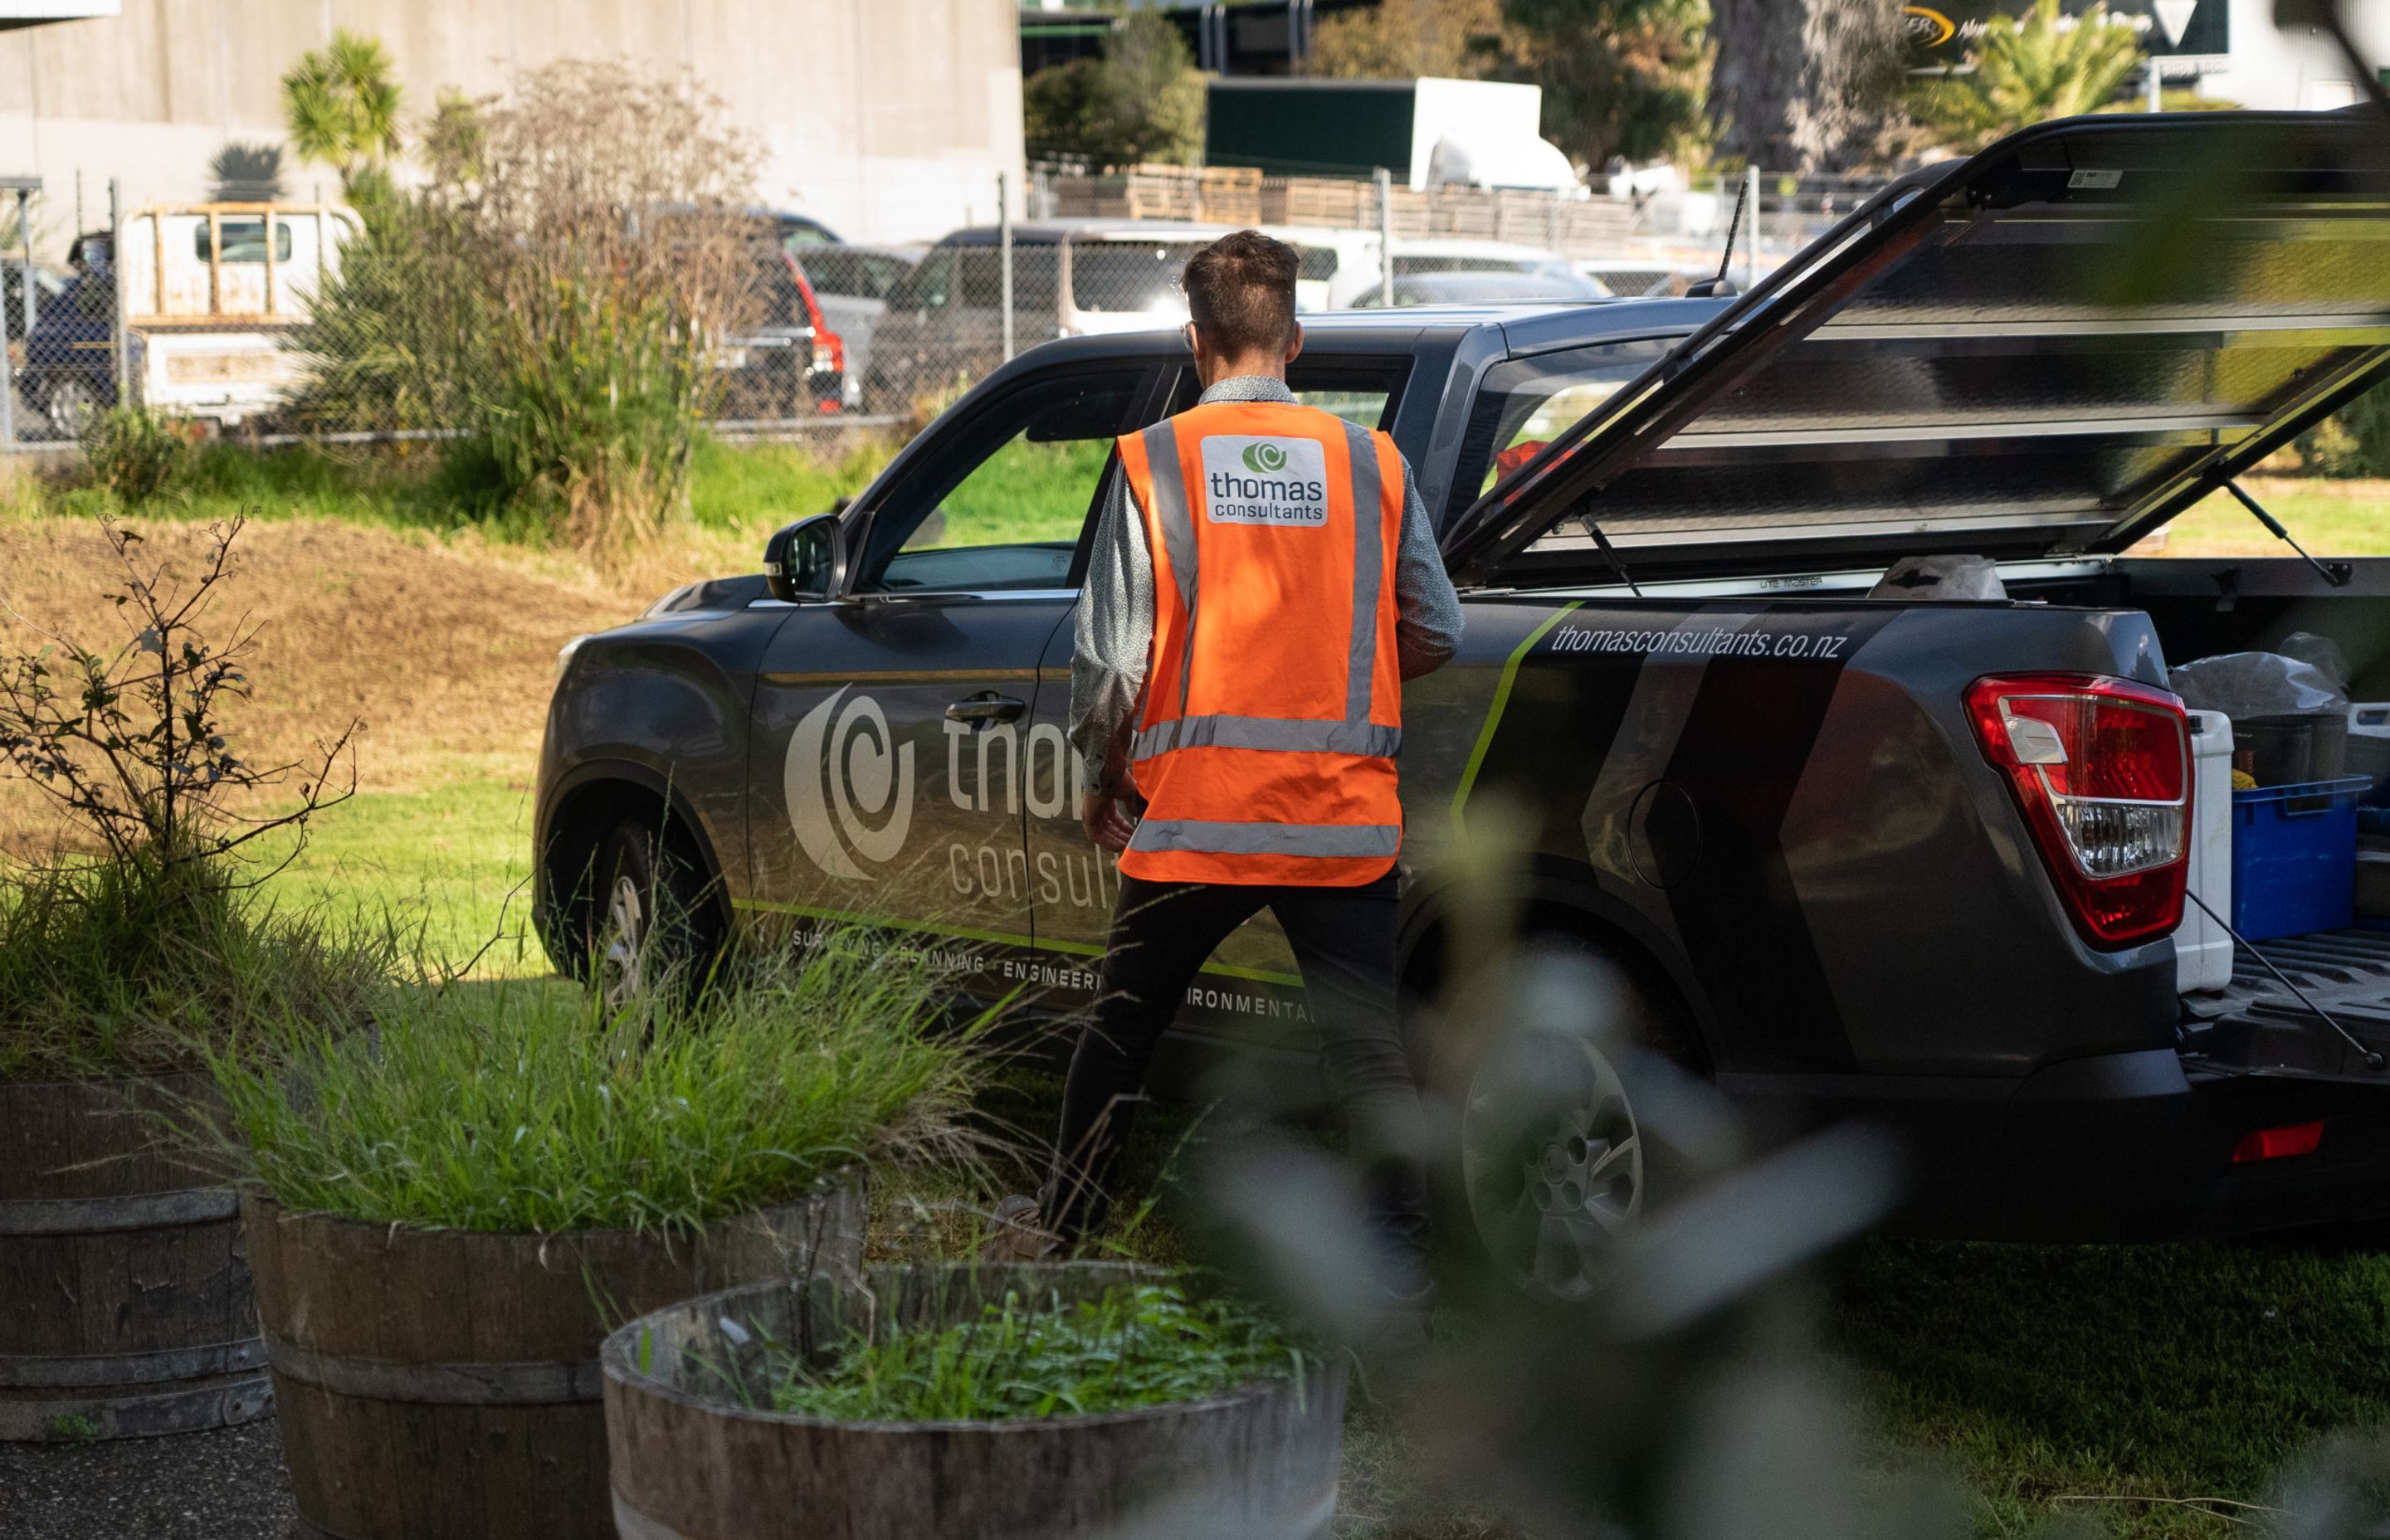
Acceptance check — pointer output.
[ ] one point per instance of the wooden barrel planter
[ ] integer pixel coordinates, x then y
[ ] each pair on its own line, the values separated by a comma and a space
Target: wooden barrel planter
695, 1459
125, 1307
445, 1383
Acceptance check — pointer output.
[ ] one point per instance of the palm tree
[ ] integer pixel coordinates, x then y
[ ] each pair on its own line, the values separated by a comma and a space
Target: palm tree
342, 109
2029, 68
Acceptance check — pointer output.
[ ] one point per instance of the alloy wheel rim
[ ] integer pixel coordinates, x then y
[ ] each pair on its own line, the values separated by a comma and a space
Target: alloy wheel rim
624, 959
72, 408
1552, 1161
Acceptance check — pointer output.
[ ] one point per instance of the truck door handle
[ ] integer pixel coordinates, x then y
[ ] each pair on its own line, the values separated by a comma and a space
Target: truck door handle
986, 706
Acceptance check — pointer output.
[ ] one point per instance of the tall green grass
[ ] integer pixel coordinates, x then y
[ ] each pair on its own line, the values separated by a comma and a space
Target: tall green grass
522, 1106
1146, 1346
121, 969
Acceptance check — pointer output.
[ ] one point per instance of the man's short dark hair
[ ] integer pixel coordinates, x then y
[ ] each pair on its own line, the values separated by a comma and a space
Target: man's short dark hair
1240, 293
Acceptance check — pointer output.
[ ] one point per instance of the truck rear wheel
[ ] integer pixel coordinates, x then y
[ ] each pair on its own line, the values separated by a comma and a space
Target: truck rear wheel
1557, 1163
70, 404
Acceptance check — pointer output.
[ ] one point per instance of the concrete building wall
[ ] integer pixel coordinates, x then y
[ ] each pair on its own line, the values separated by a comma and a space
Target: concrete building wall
888, 120
2297, 68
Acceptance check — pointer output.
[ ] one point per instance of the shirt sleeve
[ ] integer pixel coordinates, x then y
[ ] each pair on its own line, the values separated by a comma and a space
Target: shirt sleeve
1113, 638
1427, 623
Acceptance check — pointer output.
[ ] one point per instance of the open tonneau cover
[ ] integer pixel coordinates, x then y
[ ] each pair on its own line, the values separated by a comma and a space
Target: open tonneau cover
2048, 349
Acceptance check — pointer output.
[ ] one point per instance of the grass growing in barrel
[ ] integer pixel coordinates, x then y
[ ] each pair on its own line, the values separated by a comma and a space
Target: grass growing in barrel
109, 968
1146, 1346
531, 1106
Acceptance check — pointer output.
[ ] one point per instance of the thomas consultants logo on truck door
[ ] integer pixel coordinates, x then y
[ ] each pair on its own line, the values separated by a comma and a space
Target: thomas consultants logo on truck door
845, 768
1277, 482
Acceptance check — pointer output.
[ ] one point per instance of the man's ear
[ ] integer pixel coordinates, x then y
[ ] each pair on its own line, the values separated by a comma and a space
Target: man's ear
1294, 346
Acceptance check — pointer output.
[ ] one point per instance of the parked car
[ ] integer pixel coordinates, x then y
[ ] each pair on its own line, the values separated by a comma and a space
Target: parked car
209, 296
66, 373
802, 232
1472, 288
1356, 280
853, 284
789, 362
1637, 276
1854, 852
945, 323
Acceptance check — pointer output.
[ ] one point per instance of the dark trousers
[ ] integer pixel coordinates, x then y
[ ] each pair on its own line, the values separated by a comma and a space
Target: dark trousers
1162, 932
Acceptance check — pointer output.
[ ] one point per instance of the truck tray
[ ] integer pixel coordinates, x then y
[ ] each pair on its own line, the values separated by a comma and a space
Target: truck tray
2256, 1023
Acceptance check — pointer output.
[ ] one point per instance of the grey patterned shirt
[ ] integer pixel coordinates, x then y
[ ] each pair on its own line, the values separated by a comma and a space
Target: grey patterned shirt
1115, 616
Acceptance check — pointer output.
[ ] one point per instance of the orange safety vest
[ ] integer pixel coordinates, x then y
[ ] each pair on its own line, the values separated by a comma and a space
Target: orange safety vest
1273, 707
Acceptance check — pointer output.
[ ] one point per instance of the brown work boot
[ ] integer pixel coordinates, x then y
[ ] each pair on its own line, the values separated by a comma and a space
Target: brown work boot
1016, 1234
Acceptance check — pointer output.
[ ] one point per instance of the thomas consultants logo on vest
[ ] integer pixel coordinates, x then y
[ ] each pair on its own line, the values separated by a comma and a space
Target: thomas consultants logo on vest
1250, 481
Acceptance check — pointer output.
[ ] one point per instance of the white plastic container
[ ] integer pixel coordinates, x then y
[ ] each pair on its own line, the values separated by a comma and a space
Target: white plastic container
2202, 951
2368, 742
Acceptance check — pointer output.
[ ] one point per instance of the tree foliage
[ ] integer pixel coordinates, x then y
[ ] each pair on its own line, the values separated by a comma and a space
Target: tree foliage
1619, 77
1404, 39
1142, 101
342, 108
1804, 84
2028, 70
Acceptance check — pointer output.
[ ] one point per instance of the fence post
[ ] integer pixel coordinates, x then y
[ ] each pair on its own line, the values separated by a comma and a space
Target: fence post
1750, 246
1385, 237
25, 230
119, 344
1004, 246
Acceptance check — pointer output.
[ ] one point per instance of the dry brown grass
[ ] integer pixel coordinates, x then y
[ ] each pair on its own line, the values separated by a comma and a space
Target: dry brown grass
444, 650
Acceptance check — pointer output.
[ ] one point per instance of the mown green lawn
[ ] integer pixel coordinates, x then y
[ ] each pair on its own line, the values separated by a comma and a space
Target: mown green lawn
2328, 517
452, 865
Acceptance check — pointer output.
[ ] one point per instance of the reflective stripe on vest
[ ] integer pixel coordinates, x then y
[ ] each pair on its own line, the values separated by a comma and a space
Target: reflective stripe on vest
1223, 838
1289, 733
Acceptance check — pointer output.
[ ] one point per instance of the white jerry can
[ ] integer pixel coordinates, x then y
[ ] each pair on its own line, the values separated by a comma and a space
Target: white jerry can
2202, 951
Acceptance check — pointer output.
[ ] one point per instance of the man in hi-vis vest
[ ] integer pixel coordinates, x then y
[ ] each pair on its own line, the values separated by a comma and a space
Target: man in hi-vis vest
1264, 579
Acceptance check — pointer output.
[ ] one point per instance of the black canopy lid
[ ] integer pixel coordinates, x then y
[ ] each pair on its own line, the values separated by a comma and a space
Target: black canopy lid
2049, 349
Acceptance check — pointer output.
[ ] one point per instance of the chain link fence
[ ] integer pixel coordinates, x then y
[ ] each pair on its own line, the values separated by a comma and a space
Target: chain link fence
289, 321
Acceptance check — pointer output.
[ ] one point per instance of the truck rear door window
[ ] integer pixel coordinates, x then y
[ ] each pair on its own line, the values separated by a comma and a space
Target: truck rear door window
1524, 403
1361, 391
244, 239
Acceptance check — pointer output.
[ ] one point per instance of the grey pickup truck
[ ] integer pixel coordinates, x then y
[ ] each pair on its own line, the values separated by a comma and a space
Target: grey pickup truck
1908, 859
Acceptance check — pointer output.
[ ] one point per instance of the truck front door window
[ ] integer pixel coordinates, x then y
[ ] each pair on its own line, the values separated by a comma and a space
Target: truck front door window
1005, 508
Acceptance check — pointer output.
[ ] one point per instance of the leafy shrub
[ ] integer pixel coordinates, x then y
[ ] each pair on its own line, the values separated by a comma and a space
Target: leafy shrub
556, 296
154, 953
2354, 440
135, 452
1141, 1347
531, 1106
2028, 68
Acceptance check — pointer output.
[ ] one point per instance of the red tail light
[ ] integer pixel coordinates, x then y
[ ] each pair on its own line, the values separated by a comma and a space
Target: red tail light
829, 348
2101, 769
2279, 1144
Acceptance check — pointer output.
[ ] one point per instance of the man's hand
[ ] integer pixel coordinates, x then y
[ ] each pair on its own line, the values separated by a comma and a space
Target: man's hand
1106, 817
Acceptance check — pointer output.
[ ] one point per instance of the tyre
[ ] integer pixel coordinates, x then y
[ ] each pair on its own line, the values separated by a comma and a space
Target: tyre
70, 404
648, 915
1559, 1161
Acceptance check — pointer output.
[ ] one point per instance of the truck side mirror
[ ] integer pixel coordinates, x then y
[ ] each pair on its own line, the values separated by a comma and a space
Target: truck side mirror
806, 560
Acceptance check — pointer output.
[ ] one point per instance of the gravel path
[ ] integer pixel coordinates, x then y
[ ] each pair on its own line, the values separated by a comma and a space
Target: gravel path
223, 1485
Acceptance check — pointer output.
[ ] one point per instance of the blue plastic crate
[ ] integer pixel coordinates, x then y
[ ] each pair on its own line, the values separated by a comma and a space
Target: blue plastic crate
2295, 857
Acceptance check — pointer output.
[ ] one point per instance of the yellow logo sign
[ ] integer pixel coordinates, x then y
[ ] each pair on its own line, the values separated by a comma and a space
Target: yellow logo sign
1927, 27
